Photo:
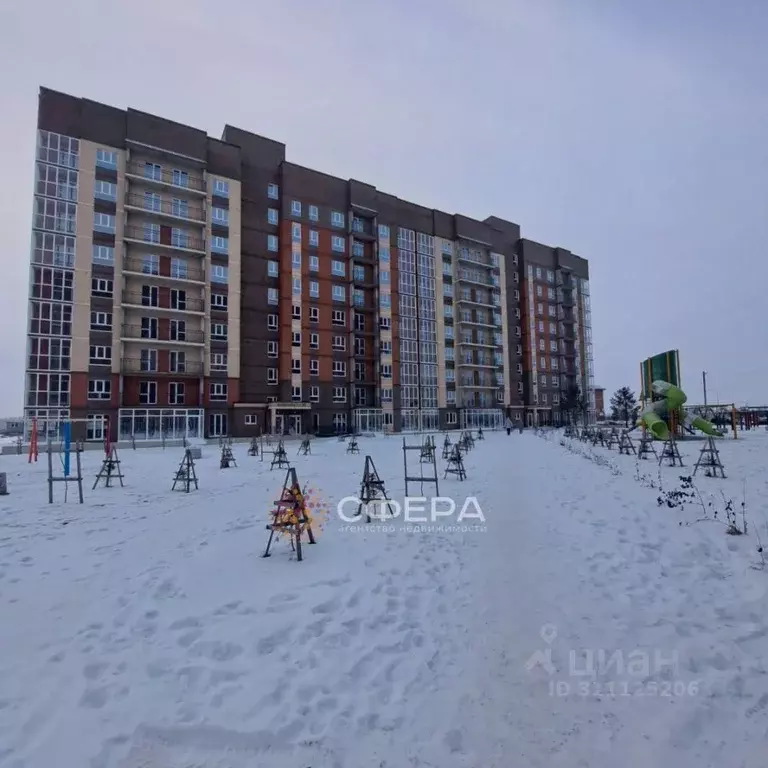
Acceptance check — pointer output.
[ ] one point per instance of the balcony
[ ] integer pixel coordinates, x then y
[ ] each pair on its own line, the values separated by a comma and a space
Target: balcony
564, 279
475, 298
565, 298
185, 304
169, 209
362, 229
151, 174
474, 257
468, 276
181, 242
137, 365
147, 268
166, 336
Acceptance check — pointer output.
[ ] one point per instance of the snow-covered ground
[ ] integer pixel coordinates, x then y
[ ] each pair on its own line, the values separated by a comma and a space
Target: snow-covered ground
143, 629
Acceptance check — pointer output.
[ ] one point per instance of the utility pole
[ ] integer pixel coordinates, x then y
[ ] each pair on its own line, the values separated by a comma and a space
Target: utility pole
704, 382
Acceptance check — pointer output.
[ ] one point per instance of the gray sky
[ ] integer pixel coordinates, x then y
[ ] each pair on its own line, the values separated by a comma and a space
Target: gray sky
632, 133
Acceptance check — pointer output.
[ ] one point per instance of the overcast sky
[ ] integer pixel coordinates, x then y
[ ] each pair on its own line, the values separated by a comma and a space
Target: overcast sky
633, 133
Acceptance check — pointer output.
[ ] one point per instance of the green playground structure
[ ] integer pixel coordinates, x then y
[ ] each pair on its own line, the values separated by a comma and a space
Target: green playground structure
671, 403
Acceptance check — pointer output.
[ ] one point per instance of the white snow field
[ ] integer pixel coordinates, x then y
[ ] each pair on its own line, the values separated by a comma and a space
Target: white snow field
143, 629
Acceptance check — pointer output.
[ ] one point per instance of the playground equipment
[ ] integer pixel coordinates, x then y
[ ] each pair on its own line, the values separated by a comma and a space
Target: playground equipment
668, 410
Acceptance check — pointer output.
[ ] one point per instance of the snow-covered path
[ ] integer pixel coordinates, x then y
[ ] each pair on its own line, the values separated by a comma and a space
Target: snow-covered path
143, 629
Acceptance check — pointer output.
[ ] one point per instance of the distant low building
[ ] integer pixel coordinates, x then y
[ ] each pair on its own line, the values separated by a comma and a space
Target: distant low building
12, 427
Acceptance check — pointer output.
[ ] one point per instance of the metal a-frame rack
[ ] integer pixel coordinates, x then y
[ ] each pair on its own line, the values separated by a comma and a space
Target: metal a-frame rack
110, 468
290, 515
422, 478
372, 489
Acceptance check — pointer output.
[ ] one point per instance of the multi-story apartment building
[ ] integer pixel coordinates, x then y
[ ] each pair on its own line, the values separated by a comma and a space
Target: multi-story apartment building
557, 332
183, 285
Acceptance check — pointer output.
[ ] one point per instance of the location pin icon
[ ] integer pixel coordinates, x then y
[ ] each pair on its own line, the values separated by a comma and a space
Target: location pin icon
548, 633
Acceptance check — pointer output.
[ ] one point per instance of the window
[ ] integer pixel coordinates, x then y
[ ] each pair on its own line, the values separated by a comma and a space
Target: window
271, 375
543, 380
101, 287
541, 345
337, 243
385, 323
150, 232
296, 259
148, 327
103, 222
219, 301
101, 321
383, 231
296, 338
176, 393
544, 398
385, 301
105, 190
543, 363
538, 273
386, 371
180, 238
386, 348
273, 269
338, 343
103, 254
218, 361
383, 276
337, 219
271, 349
338, 317
539, 291
251, 420
100, 355
273, 191
358, 249
296, 311
179, 178
296, 365
540, 326
272, 242
339, 395
180, 208
148, 392
296, 286
153, 171
273, 216
550, 276
314, 394
339, 368
272, 296
338, 268
177, 330
296, 394
218, 391
272, 322
314, 368
220, 216
384, 256
314, 264
178, 299
148, 359
219, 331
313, 213
221, 187
106, 158
219, 244
314, 341
314, 237
314, 315
539, 309
295, 208
99, 389
219, 273
339, 293
296, 233
314, 289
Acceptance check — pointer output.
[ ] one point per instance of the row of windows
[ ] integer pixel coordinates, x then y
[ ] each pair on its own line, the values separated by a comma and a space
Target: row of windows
101, 389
